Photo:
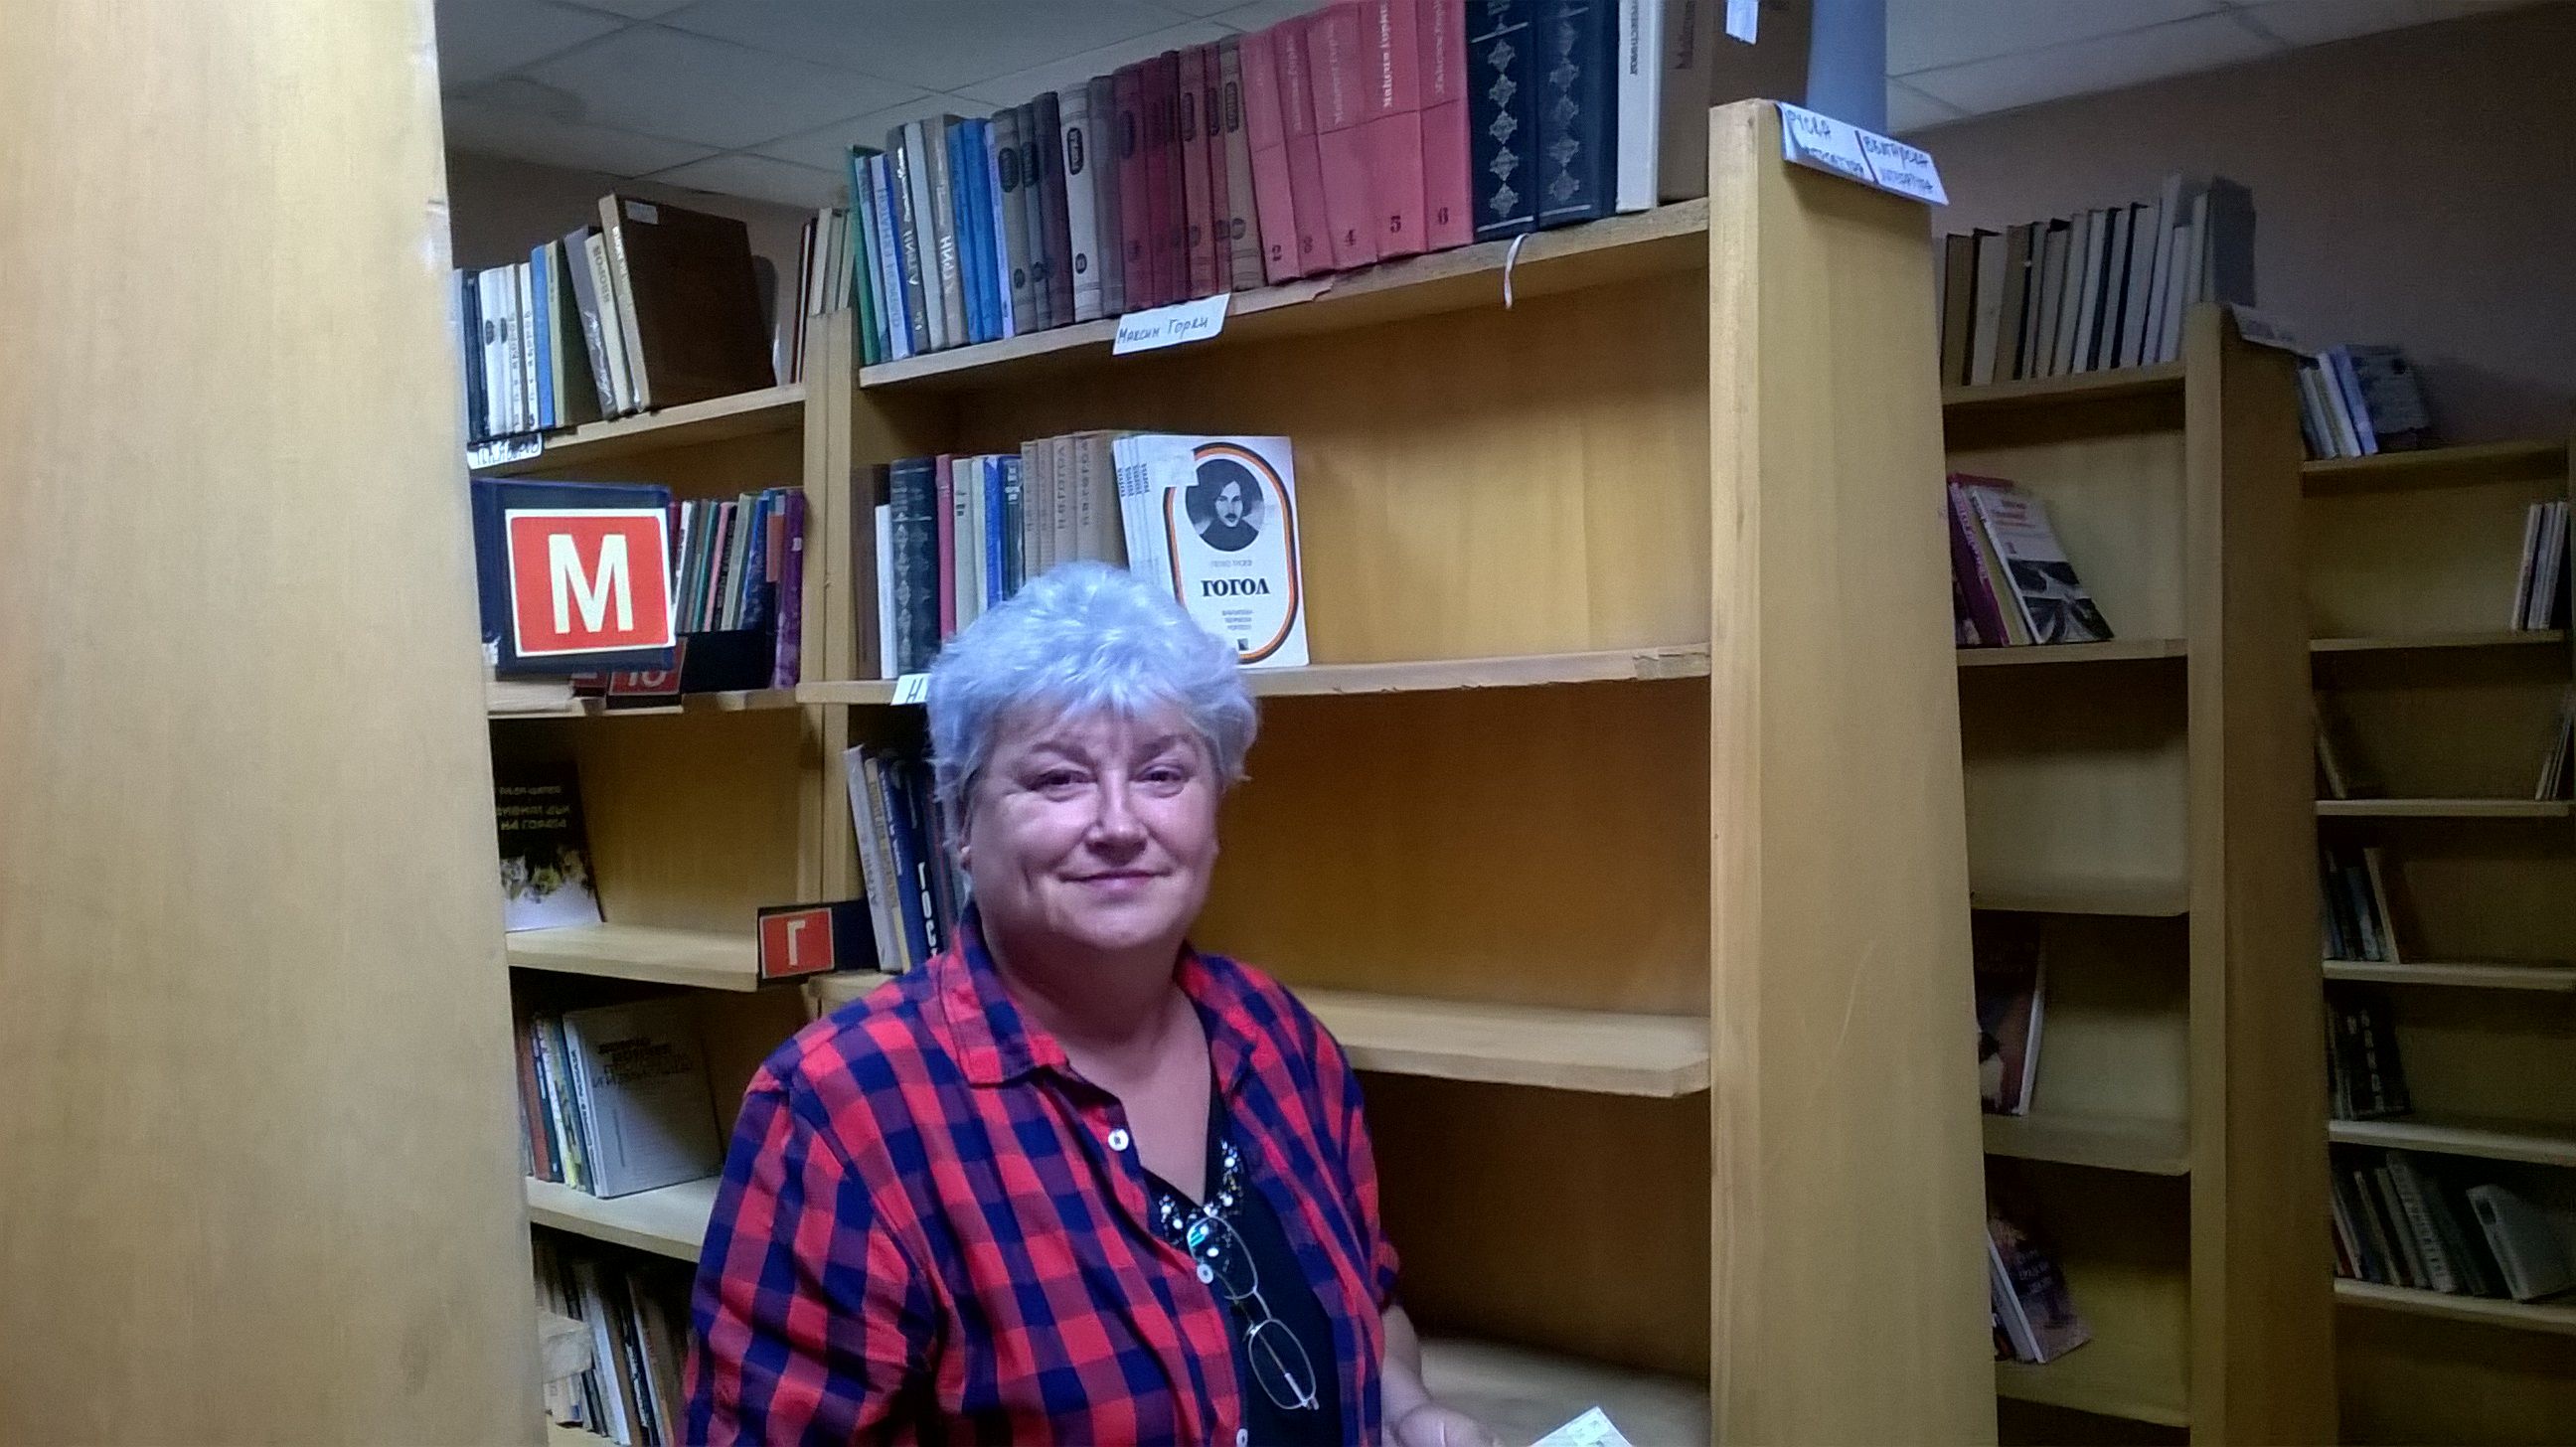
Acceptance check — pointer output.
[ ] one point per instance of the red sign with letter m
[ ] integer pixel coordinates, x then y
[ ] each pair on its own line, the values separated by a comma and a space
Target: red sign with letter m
588, 581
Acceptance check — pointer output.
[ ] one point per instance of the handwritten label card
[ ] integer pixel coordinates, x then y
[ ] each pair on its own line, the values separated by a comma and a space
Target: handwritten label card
502, 451
1169, 326
912, 688
1592, 1429
1826, 144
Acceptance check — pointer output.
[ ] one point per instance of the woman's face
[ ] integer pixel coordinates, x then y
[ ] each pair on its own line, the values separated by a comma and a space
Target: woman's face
1092, 833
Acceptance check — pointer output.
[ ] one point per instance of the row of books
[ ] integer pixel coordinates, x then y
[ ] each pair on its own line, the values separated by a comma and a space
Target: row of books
2399, 1222
2353, 890
614, 1099
1360, 132
915, 888
2558, 762
2540, 588
2359, 401
1211, 518
655, 306
2101, 289
2011, 988
637, 1312
2033, 1312
2364, 1077
2010, 582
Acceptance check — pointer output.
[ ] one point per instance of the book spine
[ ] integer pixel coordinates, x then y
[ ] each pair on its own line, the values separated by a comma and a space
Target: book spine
1109, 248
523, 347
949, 276
1033, 218
1059, 228
1440, 35
1338, 76
639, 382
1219, 213
966, 496
995, 515
943, 510
1015, 525
1638, 58
874, 346
585, 299
1692, 34
1984, 609
915, 563
1265, 127
994, 219
788, 658
1391, 123
541, 293
963, 156
1502, 119
1165, 175
902, 338
1015, 221
920, 244
1081, 199
1135, 200
1242, 201
2418, 1222
1578, 134
1197, 244
469, 347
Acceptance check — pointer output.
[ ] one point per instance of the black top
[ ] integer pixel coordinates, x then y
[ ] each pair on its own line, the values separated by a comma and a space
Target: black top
1282, 1286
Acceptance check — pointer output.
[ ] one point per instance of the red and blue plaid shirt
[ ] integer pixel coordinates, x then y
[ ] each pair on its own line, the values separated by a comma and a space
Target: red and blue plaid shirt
931, 1228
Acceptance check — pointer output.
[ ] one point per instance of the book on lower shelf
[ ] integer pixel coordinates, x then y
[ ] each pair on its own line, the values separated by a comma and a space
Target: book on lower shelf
545, 855
614, 1099
2364, 1077
2343, 771
2540, 589
2556, 761
2034, 1313
2358, 922
914, 886
2010, 980
2361, 401
636, 1311
2011, 583
2401, 1220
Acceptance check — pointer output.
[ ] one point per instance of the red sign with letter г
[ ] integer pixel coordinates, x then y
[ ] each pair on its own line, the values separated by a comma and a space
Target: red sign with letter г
591, 580
797, 942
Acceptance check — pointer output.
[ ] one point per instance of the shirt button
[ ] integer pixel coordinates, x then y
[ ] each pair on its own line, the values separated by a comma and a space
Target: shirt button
1118, 1139
1241, 1436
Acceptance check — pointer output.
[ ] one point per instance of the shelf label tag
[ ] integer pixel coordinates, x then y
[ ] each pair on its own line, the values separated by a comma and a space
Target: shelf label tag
2264, 330
1741, 18
912, 688
1169, 326
1826, 144
1592, 1429
502, 451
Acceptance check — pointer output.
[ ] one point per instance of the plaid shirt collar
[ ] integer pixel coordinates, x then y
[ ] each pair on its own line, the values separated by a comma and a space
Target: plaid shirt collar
994, 1041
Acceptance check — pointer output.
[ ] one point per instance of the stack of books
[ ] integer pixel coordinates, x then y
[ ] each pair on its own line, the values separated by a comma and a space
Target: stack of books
2010, 582
2540, 591
656, 306
2361, 401
2354, 889
2363, 1074
637, 1313
2087, 293
914, 885
614, 1099
1361, 132
2398, 1222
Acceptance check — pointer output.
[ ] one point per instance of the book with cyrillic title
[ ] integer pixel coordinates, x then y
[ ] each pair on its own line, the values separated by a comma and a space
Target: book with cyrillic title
1215, 520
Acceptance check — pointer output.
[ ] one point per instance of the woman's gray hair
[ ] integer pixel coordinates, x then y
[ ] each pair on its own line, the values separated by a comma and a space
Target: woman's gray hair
1084, 639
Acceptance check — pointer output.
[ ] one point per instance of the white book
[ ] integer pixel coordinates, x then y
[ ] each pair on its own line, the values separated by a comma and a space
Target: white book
2052, 601
2191, 268
885, 592
876, 872
925, 232
966, 536
1082, 195
592, 1308
1640, 80
1219, 519
898, 320
997, 236
2164, 342
642, 1087
612, 323
2532, 1255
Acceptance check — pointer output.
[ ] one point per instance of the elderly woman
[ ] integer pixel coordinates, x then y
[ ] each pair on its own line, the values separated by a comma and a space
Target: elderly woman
1074, 1181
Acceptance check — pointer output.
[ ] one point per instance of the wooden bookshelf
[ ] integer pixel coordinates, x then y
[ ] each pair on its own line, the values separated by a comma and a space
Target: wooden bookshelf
2411, 567
2154, 805
559, 1435
706, 959
778, 409
669, 1222
717, 701
2118, 650
1523, 1395
1620, 665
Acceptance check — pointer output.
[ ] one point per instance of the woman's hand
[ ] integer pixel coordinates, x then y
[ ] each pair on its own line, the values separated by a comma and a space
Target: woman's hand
1433, 1425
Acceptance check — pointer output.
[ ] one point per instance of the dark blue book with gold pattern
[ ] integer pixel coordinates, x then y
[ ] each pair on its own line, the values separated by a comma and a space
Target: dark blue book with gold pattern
1578, 118
1502, 116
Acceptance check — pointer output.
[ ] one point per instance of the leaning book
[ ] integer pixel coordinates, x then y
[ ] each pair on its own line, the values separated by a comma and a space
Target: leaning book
640, 1085
1215, 520
545, 861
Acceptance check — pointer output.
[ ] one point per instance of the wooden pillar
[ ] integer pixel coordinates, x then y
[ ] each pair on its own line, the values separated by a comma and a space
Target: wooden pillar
256, 1169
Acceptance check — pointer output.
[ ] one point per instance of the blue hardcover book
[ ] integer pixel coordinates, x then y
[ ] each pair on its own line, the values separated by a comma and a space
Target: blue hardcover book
541, 274
1014, 527
889, 257
1578, 116
997, 527
965, 211
997, 237
1502, 116
975, 158
912, 907
588, 590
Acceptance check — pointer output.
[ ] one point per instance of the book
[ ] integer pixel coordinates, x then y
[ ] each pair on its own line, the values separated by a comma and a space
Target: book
1164, 180
1637, 87
1305, 150
2010, 975
1975, 585
913, 505
2558, 761
2029, 1293
965, 158
1109, 244
1502, 116
1958, 304
1265, 129
1214, 519
1082, 200
1135, 202
2050, 600
641, 1085
2145, 225
1986, 325
1198, 208
1337, 74
947, 274
545, 856
1391, 124
1448, 206
1054, 206
1578, 133
688, 299
2392, 395
908, 149
2532, 1260
2365, 1077
2010, 316
2540, 590
1033, 221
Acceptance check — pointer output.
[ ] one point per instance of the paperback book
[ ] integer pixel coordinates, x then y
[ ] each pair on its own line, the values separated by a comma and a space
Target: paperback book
545, 860
1215, 520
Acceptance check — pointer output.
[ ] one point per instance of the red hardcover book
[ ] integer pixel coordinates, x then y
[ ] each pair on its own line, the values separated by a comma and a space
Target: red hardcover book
1338, 70
1440, 42
1242, 239
1305, 157
1391, 124
1265, 120
1220, 215
1162, 174
1197, 242
1135, 201
945, 525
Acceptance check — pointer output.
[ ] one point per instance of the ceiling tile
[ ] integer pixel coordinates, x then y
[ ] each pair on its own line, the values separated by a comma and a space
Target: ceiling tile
479, 126
1260, 14
829, 146
1020, 85
632, 9
2087, 66
2314, 22
1924, 34
758, 177
479, 39
936, 46
690, 88
1909, 109
1215, 7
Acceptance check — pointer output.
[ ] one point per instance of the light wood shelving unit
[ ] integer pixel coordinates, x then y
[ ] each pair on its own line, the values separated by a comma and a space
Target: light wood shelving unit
2154, 804
2411, 568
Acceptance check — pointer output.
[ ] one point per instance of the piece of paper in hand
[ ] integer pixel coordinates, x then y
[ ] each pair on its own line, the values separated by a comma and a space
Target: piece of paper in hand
1592, 1429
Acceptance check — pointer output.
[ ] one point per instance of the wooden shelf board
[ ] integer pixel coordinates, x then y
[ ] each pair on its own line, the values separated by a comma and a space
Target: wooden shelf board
748, 700
2111, 1143
559, 1435
2403, 642
2549, 1316
2083, 386
717, 419
1532, 670
2141, 898
2554, 979
708, 959
2493, 1140
669, 1222
1523, 1394
2118, 650
1618, 248
2090, 1383
2434, 467
2442, 808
